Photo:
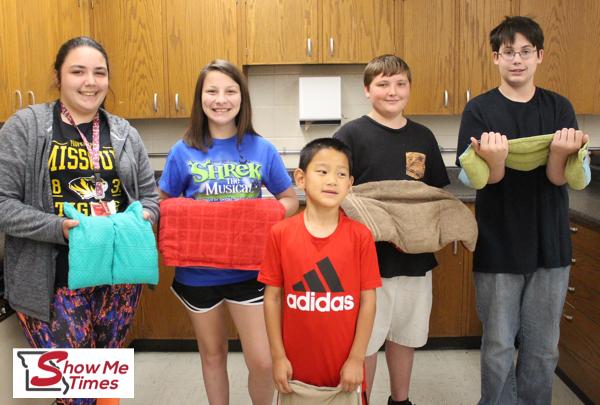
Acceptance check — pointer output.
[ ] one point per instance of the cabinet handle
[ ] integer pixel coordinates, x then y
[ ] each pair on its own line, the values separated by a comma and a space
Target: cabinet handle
572, 289
468, 96
155, 102
20, 99
445, 98
573, 260
309, 52
32, 96
455, 247
573, 229
177, 102
567, 317
331, 45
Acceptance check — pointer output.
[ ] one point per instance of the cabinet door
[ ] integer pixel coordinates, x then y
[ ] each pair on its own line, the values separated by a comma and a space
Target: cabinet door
282, 31
478, 73
471, 324
43, 27
571, 57
10, 77
580, 351
429, 48
356, 31
446, 311
163, 316
132, 35
198, 32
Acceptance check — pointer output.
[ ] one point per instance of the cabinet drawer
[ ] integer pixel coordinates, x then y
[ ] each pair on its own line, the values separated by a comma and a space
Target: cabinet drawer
584, 286
585, 240
580, 351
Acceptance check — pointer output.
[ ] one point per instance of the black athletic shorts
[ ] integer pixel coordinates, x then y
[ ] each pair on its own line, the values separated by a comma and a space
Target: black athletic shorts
203, 299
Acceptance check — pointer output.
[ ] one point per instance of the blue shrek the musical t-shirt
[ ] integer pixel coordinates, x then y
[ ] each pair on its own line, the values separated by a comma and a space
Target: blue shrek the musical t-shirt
223, 173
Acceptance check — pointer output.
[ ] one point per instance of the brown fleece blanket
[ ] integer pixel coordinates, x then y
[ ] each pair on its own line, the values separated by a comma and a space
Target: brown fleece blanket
413, 216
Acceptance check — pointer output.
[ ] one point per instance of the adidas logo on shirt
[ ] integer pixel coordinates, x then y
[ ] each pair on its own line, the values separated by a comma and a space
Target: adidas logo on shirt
324, 302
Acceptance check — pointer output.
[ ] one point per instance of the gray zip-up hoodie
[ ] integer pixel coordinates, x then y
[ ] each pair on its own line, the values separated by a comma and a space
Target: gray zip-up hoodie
27, 208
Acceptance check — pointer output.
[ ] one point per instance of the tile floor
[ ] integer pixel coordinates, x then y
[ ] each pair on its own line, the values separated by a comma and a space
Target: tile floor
440, 377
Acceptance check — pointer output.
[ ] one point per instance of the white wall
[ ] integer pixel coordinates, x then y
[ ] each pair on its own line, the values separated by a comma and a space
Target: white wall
11, 337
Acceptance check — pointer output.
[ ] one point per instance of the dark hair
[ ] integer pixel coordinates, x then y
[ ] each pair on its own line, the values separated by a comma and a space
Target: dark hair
72, 44
312, 148
197, 134
389, 65
505, 32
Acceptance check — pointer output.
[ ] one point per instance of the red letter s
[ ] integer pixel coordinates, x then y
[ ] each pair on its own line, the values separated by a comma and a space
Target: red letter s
44, 382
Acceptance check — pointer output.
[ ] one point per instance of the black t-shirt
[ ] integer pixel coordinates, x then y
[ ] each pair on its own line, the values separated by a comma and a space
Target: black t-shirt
382, 153
523, 219
72, 175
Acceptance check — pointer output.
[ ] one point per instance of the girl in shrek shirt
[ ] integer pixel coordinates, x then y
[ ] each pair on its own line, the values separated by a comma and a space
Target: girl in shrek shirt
222, 158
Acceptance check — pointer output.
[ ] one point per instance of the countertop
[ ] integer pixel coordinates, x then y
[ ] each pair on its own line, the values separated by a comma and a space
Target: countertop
584, 205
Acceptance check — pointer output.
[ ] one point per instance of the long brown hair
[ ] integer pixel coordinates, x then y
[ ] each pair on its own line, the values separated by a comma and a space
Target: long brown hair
197, 134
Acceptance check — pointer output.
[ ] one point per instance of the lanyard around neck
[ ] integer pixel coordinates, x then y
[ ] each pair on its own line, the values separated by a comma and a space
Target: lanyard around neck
93, 151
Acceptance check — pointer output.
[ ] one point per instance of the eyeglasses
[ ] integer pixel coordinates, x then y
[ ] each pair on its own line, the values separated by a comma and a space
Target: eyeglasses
524, 54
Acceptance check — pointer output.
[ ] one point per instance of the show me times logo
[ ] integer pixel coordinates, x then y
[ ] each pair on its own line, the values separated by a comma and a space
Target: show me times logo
73, 373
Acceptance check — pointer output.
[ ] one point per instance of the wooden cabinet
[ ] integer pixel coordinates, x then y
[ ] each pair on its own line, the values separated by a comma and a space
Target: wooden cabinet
157, 49
571, 60
282, 31
132, 34
446, 45
446, 311
11, 86
318, 31
198, 31
356, 31
31, 33
429, 39
580, 326
476, 70
43, 27
453, 313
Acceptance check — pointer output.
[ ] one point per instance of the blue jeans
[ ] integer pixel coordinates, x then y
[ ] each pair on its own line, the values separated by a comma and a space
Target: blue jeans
528, 306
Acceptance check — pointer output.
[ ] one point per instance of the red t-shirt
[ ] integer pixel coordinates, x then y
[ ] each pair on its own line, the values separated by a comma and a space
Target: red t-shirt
322, 279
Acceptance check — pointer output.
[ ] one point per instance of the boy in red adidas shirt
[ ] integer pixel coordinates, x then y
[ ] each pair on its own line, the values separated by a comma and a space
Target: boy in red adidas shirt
326, 265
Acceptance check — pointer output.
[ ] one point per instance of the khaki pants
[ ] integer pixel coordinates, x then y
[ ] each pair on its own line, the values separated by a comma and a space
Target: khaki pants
305, 394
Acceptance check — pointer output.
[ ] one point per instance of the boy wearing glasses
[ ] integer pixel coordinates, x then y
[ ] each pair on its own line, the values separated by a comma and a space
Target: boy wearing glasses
523, 256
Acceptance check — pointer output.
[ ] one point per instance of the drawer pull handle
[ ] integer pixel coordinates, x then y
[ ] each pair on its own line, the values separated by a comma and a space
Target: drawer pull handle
32, 97
155, 101
455, 247
177, 102
567, 317
573, 260
309, 50
573, 229
445, 98
20, 99
572, 289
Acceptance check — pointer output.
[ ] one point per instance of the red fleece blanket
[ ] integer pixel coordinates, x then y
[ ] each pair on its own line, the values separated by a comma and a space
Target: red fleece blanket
223, 235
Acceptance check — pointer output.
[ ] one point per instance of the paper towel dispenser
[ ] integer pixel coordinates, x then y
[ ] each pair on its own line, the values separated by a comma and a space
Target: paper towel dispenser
320, 100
